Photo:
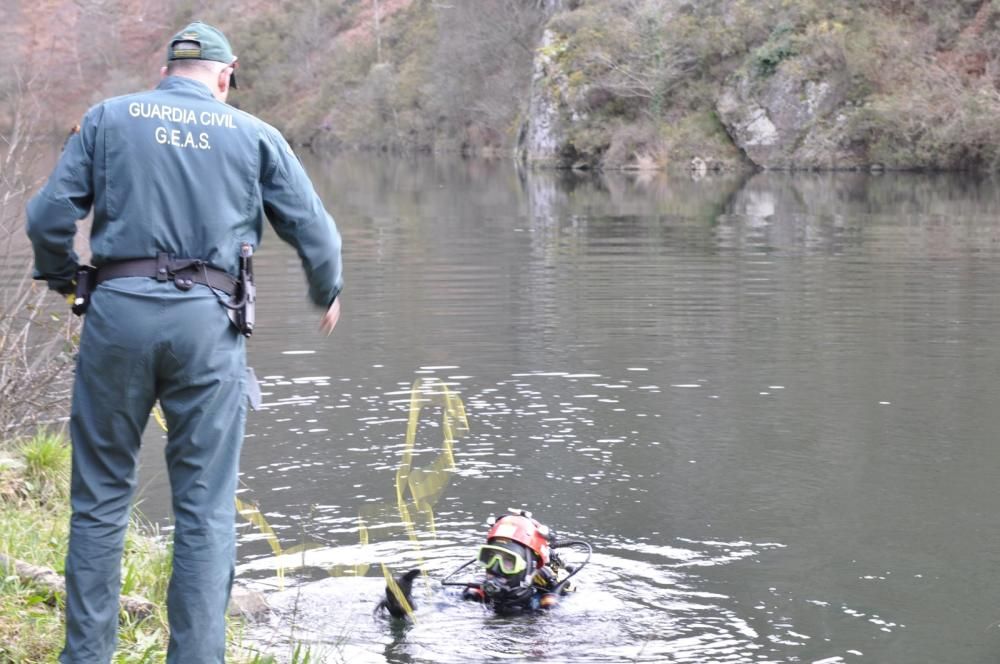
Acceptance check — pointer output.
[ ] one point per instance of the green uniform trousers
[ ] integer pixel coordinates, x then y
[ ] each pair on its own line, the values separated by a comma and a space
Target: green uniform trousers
145, 340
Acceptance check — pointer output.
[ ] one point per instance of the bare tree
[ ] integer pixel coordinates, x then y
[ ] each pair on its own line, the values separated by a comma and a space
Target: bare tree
37, 338
638, 60
377, 16
482, 65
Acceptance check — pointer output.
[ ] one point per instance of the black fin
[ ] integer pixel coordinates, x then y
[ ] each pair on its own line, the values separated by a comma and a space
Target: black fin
391, 603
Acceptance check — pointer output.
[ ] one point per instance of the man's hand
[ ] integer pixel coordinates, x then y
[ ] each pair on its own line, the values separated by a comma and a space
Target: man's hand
331, 317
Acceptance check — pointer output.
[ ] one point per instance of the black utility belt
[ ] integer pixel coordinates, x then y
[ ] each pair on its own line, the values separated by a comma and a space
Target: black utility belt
184, 272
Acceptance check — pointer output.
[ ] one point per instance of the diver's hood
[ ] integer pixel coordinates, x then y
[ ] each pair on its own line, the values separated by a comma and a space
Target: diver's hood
509, 568
507, 600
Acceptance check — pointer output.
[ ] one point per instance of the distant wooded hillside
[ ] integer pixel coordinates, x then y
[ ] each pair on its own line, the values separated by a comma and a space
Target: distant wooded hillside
571, 83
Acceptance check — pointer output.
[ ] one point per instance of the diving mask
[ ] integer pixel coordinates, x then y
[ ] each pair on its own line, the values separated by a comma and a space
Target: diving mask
508, 562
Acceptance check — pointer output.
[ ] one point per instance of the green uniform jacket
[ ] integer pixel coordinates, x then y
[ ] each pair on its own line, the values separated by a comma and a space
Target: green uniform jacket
175, 170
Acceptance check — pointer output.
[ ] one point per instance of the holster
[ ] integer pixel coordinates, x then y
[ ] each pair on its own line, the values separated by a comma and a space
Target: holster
86, 281
243, 314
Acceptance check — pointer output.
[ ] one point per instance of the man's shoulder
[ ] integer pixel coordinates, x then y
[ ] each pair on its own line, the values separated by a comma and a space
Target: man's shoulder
126, 99
113, 105
254, 121
101, 107
268, 132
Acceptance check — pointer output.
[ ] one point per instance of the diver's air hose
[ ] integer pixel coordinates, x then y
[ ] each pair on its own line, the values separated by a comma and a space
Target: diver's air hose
556, 589
446, 582
580, 543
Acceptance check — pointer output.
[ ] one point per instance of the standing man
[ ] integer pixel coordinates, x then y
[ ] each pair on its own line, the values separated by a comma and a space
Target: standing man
179, 182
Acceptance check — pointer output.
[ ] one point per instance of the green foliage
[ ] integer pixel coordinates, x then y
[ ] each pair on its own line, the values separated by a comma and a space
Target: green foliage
33, 528
586, 143
947, 18
29, 628
955, 131
301, 654
779, 47
698, 134
47, 460
34, 524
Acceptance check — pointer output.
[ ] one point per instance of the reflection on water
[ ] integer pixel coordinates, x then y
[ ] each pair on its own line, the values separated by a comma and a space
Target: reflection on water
768, 403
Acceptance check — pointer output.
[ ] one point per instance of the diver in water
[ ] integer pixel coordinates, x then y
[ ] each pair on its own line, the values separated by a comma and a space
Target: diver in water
521, 570
521, 573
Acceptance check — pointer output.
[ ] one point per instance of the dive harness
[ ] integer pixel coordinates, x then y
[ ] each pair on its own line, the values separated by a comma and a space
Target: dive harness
513, 596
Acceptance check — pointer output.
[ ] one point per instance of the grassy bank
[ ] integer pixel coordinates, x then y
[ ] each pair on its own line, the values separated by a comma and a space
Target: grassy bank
34, 520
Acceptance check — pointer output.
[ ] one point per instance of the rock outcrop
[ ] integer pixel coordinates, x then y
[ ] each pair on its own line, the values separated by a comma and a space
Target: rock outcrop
543, 135
789, 120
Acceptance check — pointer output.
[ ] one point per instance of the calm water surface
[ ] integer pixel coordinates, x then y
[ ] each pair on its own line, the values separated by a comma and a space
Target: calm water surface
770, 404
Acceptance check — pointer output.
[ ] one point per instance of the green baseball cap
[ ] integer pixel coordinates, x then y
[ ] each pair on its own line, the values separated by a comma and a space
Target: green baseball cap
211, 45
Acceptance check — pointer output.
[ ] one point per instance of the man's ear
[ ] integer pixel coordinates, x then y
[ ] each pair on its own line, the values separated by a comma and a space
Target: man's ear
163, 72
223, 82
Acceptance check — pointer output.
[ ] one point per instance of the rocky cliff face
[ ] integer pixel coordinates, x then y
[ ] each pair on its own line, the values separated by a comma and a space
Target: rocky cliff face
790, 121
787, 86
789, 117
543, 135
603, 93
